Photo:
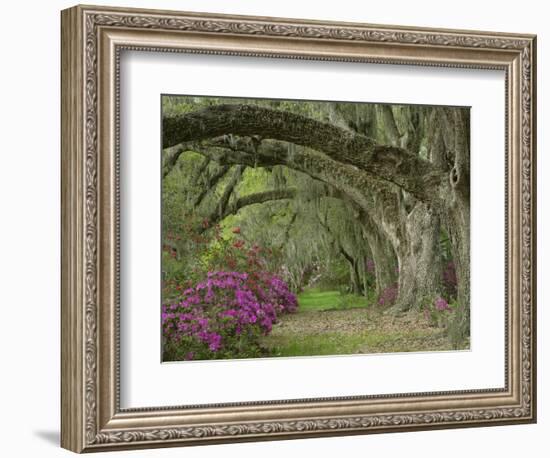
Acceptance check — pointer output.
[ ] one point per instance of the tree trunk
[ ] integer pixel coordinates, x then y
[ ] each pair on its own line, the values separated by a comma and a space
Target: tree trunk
458, 227
419, 257
383, 255
457, 216
355, 276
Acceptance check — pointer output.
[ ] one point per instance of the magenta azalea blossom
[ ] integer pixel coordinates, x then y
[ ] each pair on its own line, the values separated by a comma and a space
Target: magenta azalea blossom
441, 305
226, 307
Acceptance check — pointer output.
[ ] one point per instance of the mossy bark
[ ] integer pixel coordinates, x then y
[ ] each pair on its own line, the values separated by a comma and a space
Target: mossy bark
419, 259
383, 255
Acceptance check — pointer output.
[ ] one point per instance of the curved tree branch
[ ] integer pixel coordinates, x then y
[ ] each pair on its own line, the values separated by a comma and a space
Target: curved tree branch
203, 166
170, 157
408, 171
356, 184
250, 199
211, 182
260, 198
221, 208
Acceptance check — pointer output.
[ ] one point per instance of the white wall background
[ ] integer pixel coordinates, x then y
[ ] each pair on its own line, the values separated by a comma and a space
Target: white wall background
29, 228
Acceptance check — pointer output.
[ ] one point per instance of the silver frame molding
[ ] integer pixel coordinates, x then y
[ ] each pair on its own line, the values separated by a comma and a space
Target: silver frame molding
92, 39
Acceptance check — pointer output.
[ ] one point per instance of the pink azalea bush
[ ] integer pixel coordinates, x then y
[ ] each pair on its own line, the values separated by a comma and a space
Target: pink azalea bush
388, 296
224, 316
441, 304
438, 312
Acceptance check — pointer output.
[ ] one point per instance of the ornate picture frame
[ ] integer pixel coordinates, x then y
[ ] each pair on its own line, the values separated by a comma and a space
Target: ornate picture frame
92, 41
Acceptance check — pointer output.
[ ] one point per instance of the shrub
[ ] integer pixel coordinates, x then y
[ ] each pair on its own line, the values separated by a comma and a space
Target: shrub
224, 316
272, 289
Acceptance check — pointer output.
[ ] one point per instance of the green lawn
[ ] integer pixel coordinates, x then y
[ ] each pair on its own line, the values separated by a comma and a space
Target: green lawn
315, 299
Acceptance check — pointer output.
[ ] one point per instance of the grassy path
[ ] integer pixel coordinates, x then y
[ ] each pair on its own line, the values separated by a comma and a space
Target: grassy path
315, 300
328, 323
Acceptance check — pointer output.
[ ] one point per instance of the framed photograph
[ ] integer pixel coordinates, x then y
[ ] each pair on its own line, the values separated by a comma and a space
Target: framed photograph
279, 228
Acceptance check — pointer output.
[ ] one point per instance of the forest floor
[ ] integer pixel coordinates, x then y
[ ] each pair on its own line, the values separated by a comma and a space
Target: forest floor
328, 323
